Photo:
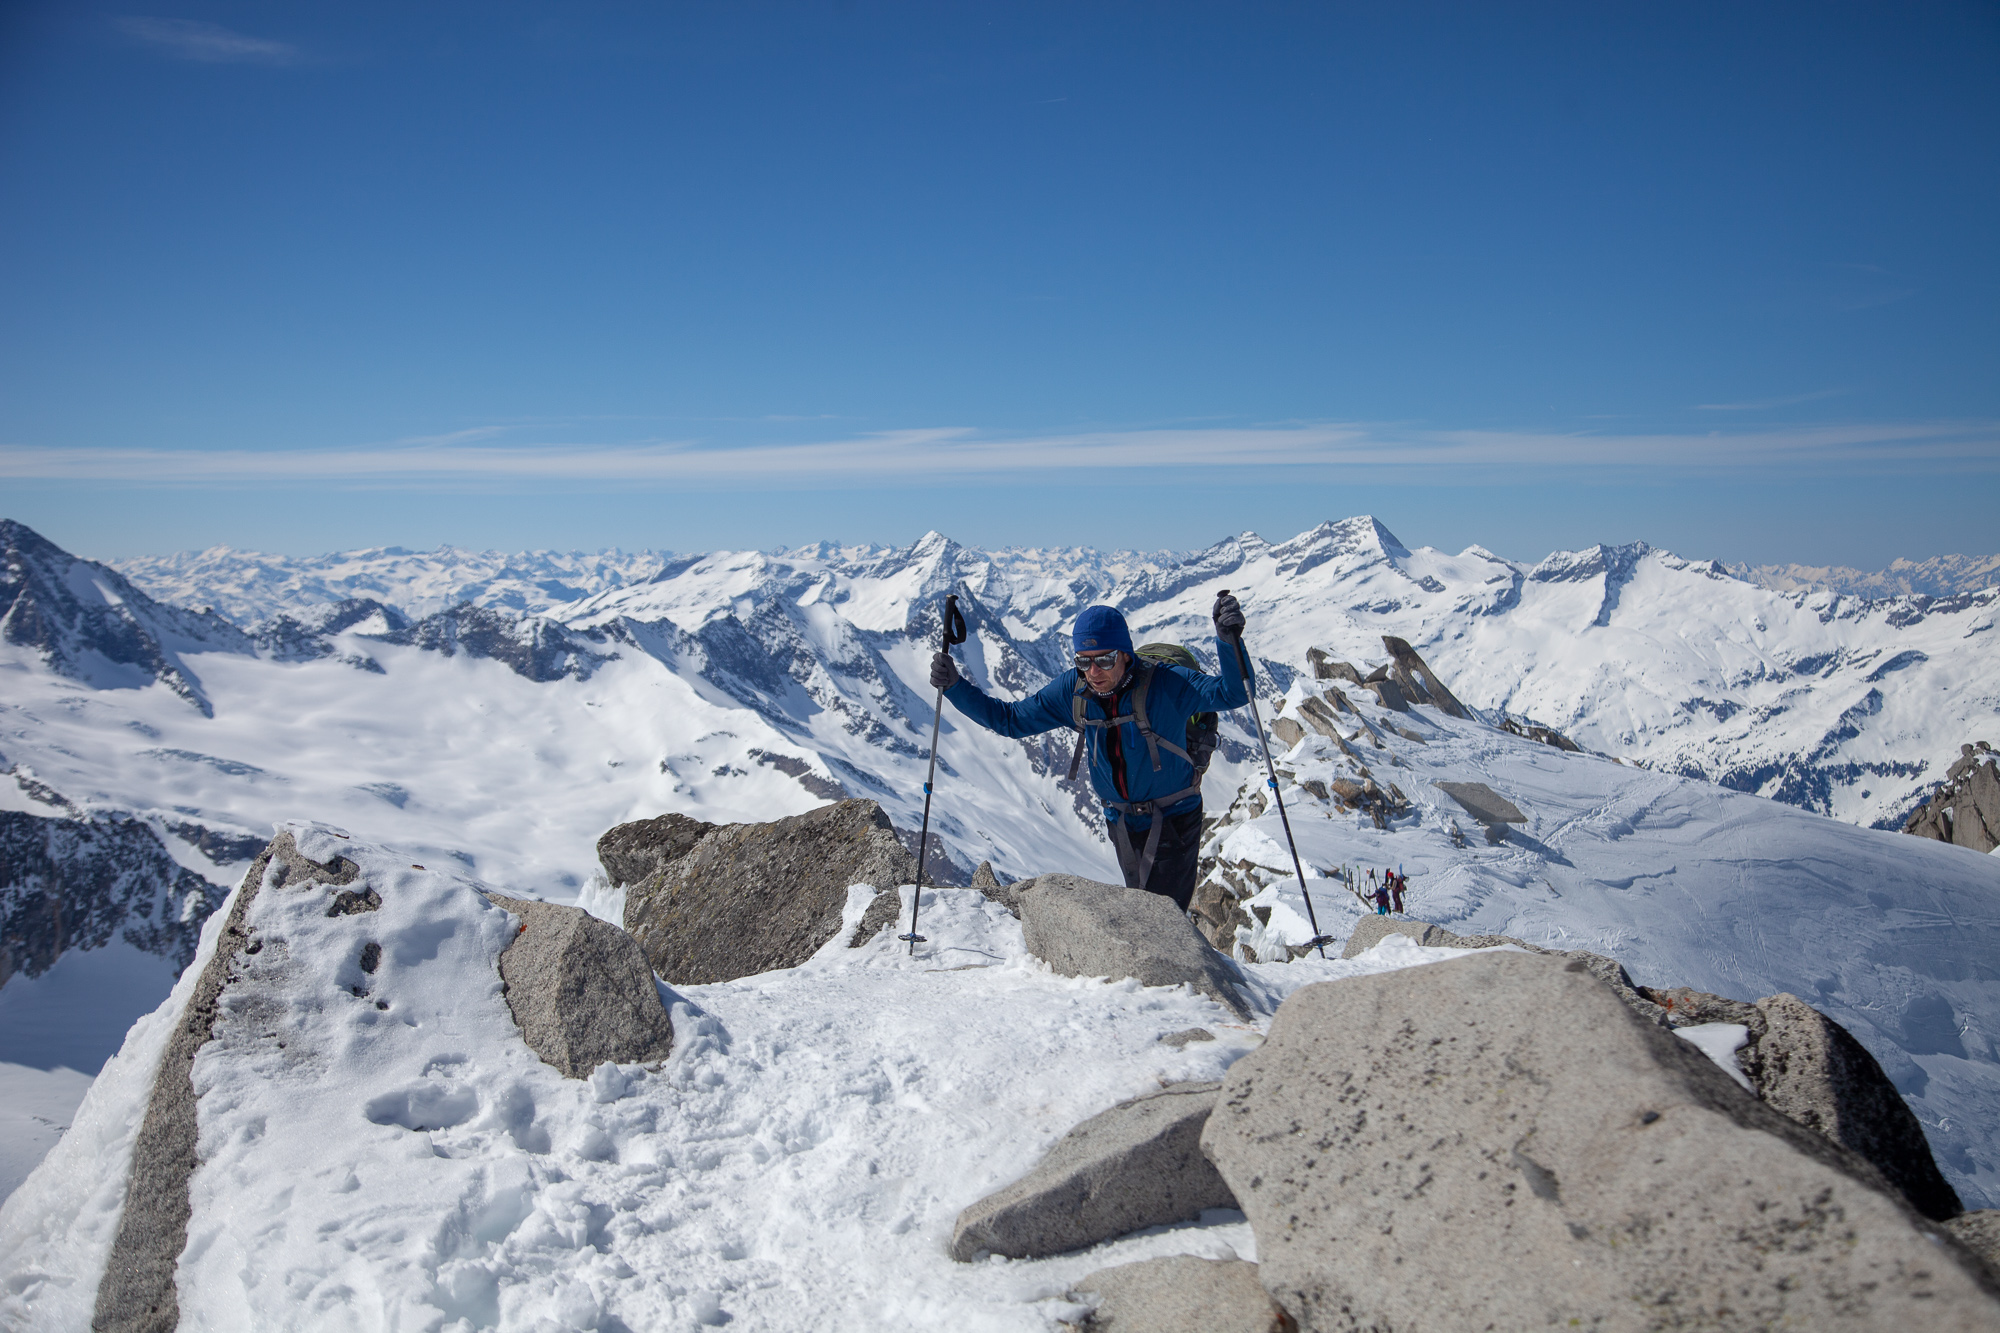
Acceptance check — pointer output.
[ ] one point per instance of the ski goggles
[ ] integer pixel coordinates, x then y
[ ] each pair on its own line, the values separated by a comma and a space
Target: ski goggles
1097, 661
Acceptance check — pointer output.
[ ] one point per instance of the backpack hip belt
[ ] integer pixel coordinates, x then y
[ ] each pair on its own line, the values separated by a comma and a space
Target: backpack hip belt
1137, 868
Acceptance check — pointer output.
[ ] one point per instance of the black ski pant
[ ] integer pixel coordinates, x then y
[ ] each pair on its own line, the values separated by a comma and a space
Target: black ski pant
1174, 861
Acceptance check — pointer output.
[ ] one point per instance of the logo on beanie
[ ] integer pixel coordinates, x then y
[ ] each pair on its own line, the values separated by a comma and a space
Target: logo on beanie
1090, 643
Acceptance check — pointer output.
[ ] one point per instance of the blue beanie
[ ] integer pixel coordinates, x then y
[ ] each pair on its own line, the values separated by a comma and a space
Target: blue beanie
1100, 629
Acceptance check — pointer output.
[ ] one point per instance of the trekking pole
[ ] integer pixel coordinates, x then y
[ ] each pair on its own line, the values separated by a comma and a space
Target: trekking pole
954, 632
1319, 941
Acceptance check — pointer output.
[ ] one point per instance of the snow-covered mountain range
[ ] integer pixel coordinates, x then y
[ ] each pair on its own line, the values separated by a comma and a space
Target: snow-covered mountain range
738, 686
247, 586
1939, 576
1836, 691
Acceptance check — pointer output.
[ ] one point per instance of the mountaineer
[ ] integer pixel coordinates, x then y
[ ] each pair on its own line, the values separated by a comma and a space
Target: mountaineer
1132, 714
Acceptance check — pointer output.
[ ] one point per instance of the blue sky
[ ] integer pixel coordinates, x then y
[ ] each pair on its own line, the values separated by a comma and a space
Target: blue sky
298, 278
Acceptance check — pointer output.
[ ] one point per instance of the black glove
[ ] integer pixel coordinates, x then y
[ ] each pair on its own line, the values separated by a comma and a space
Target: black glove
1228, 616
944, 671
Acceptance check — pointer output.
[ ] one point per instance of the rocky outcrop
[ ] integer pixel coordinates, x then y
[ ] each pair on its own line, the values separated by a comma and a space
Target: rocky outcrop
1326, 667
1409, 670
712, 902
1381, 804
792, 766
307, 635
1965, 808
1317, 714
529, 646
1808, 1067
1370, 931
1979, 1232
986, 882
637, 853
1217, 906
90, 624
82, 883
1798, 1061
1811, 1069
580, 990
1082, 928
1388, 692
1181, 1294
1484, 804
1136, 1165
137, 1292
1535, 731
1496, 1142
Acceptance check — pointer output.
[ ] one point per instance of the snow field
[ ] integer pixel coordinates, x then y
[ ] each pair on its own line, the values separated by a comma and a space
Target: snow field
36, 1107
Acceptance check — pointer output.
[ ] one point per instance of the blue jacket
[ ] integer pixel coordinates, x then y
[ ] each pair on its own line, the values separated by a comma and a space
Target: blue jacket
1176, 695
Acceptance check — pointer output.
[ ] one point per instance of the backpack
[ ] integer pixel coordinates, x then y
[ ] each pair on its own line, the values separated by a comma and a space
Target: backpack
1203, 729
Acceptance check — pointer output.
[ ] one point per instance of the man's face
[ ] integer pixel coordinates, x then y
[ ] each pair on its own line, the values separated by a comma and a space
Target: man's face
1101, 671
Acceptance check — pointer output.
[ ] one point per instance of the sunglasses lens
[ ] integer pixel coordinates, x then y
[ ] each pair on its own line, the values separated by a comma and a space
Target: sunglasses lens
1097, 662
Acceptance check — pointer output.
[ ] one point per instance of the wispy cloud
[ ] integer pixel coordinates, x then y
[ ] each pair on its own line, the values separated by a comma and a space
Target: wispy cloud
210, 43
1766, 404
948, 454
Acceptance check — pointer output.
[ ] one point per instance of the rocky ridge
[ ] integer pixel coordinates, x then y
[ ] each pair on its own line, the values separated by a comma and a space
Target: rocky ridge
1576, 1159
80, 884
1964, 810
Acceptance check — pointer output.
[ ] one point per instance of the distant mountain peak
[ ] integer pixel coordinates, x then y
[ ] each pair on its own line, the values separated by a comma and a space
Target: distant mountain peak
91, 624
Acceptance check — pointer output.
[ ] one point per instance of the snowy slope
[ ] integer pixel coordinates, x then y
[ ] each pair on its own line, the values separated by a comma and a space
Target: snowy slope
797, 1164
1685, 883
1849, 707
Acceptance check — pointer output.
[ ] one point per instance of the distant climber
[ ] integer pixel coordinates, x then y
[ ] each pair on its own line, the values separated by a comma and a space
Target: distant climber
1397, 883
1382, 896
1132, 714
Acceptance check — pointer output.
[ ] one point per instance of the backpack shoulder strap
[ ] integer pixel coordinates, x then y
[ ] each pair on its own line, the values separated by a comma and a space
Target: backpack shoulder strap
1079, 721
1145, 725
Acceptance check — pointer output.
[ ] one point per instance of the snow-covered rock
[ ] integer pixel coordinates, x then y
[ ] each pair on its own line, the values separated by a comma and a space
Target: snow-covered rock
81, 884
1965, 808
1939, 576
